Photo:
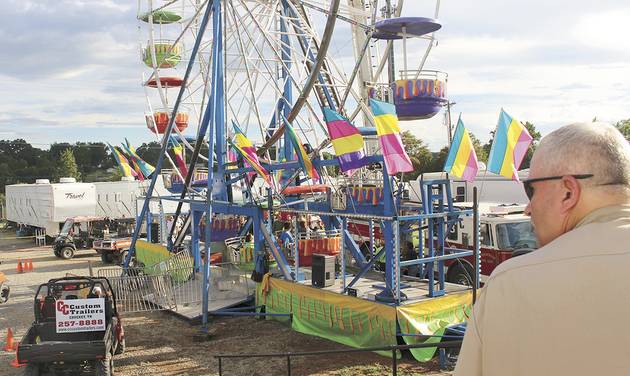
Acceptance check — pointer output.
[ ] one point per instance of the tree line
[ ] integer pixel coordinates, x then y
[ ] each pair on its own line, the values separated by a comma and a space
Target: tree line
21, 162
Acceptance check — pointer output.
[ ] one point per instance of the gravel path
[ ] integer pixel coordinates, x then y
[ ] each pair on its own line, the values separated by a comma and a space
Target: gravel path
158, 343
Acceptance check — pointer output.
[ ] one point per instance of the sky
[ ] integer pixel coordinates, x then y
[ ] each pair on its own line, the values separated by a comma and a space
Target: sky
72, 70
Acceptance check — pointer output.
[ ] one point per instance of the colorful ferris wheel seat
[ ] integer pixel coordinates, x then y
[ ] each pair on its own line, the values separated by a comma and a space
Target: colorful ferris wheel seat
165, 82
325, 245
392, 28
419, 98
365, 195
162, 17
161, 118
167, 54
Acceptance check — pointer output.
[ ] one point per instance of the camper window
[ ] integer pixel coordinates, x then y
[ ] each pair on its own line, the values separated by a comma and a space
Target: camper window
486, 239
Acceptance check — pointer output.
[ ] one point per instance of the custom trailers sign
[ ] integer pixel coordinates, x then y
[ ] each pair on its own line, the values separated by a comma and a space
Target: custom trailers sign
80, 315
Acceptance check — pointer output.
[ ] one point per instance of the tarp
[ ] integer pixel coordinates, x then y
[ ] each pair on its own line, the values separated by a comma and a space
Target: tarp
345, 319
432, 317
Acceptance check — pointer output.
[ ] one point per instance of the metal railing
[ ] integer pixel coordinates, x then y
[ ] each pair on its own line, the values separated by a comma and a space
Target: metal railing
289, 355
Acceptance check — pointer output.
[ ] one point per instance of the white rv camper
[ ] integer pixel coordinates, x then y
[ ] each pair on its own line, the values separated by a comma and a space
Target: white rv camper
45, 205
117, 199
490, 187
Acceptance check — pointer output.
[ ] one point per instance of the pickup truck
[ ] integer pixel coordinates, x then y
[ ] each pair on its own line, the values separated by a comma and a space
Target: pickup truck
77, 328
113, 250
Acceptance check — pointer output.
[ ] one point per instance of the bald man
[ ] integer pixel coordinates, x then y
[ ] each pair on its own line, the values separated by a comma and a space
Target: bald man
563, 309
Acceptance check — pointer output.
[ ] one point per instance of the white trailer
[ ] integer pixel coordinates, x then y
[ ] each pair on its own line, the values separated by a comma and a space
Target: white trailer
490, 187
45, 205
117, 199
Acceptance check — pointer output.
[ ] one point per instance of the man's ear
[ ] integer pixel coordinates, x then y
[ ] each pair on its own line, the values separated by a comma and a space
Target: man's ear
571, 191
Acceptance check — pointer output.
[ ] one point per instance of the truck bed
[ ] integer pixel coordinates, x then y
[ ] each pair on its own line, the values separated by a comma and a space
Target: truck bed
42, 344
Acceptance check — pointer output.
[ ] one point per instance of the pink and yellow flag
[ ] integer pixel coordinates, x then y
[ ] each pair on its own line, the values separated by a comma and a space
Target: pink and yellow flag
245, 147
125, 168
388, 131
178, 150
302, 155
462, 159
511, 141
346, 140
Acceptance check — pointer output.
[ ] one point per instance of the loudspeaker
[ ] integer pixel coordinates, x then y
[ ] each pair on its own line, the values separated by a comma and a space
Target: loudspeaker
323, 270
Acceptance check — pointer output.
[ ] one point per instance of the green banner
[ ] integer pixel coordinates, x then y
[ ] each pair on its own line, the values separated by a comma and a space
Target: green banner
344, 319
432, 317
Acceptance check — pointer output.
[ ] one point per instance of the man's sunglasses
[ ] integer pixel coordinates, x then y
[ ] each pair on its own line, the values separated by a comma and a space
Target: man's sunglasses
529, 189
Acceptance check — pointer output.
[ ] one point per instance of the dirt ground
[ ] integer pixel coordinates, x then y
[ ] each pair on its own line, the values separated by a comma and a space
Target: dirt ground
159, 343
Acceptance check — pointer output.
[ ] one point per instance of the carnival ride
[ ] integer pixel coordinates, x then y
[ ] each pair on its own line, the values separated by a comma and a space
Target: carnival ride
219, 66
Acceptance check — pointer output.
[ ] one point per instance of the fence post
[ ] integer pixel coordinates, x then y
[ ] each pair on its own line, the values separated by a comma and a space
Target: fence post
394, 363
220, 368
289, 365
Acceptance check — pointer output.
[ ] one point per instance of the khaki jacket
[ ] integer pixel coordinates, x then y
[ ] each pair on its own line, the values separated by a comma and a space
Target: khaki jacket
561, 310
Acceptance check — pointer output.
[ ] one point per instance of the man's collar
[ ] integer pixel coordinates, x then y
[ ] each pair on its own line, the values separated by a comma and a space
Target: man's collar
606, 214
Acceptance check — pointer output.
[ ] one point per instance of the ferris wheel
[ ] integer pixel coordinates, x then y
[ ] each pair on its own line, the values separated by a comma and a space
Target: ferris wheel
277, 67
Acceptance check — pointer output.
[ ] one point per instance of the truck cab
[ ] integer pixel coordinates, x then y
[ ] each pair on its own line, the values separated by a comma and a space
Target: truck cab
505, 232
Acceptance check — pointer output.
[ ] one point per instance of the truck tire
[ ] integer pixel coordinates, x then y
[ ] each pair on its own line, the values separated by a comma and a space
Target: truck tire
461, 274
105, 367
31, 370
67, 253
56, 252
107, 257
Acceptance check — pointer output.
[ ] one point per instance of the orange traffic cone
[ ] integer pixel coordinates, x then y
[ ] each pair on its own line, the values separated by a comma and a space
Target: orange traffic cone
20, 269
30, 265
15, 363
9, 345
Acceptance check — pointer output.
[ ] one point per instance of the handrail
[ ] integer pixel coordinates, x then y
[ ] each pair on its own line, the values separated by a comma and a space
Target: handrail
288, 355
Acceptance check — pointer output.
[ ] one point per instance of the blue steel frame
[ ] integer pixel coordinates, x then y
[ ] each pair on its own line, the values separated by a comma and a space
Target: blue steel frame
437, 213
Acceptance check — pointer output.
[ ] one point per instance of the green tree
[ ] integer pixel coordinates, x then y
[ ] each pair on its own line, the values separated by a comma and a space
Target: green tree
536, 136
482, 155
116, 175
439, 159
624, 128
419, 154
67, 166
333, 170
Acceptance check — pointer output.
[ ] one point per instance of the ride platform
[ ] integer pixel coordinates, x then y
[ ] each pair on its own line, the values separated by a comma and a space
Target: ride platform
361, 321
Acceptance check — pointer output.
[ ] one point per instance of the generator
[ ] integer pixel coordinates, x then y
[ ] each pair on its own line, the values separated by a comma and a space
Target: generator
323, 268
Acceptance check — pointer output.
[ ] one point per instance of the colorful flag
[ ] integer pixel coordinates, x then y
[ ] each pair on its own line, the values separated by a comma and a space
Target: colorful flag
244, 146
122, 162
178, 150
462, 159
302, 155
145, 167
346, 139
132, 164
511, 141
388, 131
